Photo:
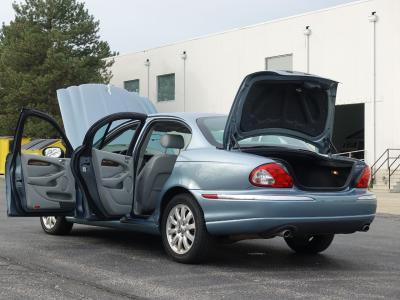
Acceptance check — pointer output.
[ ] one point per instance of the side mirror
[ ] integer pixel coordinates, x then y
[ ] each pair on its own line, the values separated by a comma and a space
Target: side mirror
53, 152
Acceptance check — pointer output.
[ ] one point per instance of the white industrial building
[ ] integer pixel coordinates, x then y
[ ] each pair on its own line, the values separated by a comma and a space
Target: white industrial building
357, 44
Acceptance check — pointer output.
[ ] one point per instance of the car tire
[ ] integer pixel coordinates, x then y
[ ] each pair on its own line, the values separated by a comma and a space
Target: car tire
56, 225
176, 233
310, 244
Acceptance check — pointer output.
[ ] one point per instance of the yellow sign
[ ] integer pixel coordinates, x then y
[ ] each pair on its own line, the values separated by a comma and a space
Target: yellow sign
5, 148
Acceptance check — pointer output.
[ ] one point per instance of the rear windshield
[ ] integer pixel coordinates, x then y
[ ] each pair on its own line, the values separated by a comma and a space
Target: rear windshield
213, 130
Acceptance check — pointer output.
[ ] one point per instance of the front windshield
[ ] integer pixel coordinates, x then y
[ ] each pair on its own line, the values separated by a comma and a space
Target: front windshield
213, 130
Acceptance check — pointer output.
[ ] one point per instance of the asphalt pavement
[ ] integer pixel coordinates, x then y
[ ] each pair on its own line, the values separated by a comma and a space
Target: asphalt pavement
99, 263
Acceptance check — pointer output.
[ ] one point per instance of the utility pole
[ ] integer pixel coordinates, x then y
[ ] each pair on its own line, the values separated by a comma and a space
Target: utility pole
184, 56
307, 33
373, 18
147, 64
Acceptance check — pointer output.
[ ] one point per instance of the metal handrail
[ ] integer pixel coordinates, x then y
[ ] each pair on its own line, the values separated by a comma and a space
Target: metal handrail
349, 153
373, 165
395, 159
398, 165
387, 160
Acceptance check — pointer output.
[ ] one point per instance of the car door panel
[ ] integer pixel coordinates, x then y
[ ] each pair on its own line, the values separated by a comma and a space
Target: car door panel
114, 177
103, 170
48, 182
37, 185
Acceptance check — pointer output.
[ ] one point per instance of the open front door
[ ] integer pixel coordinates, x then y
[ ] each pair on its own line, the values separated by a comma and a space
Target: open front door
104, 164
39, 182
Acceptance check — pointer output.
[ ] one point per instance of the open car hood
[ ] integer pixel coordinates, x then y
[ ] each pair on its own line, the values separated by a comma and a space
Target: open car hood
284, 103
83, 105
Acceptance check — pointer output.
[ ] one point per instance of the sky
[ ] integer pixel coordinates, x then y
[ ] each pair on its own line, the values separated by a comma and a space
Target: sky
135, 25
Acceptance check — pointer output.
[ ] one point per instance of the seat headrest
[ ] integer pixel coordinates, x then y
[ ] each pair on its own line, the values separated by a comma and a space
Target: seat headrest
174, 141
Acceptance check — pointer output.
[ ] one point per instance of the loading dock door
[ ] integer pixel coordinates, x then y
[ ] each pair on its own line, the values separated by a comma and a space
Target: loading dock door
348, 133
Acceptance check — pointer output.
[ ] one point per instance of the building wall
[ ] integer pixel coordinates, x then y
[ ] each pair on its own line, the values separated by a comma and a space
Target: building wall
340, 48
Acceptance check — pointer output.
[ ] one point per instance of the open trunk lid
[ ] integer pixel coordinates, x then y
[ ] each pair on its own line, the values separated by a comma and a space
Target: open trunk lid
284, 103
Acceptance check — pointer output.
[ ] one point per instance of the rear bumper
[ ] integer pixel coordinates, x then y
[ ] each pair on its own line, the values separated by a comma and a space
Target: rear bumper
248, 212
271, 226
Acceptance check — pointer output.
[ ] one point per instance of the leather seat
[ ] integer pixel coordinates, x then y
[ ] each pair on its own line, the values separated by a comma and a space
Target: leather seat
154, 174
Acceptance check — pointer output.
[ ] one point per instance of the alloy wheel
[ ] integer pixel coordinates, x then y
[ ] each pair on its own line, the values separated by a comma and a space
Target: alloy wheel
180, 229
49, 222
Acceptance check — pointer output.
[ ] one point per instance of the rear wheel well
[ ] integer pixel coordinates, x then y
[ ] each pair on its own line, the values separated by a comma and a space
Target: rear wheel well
169, 195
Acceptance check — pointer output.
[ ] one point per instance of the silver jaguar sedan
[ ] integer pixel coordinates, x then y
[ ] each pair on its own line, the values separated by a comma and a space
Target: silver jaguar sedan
268, 169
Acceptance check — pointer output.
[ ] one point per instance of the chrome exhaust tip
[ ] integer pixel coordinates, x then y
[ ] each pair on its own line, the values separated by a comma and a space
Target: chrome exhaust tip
285, 233
365, 228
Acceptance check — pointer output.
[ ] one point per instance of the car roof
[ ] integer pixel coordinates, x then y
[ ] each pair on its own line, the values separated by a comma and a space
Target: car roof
187, 116
190, 118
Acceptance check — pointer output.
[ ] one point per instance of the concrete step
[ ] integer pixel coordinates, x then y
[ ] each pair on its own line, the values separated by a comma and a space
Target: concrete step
383, 184
382, 188
379, 190
386, 172
393, 182
380, 176
381, 181
374, 190
386, 187
395, 175
396, 188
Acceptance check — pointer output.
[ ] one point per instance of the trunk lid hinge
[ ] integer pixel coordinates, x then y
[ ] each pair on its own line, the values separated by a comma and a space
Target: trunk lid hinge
331, 149
234, 143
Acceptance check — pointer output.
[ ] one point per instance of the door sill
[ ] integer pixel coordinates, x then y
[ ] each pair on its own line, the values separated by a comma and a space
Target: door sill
134, 219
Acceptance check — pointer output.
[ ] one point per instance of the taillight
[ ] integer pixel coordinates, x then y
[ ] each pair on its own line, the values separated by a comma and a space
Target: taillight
365, 177
271, 175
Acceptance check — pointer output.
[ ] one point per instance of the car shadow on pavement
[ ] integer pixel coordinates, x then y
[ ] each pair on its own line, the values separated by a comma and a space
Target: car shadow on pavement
252, 254
268, 254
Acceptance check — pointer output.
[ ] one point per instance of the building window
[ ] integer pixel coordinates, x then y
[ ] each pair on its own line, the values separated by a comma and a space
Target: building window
132, 85
166, 87
280, 62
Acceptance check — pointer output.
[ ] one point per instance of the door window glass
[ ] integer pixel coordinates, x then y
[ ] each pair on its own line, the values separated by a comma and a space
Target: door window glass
154, 147
44, 138
152, 144
115, 136
99, 136
120, 143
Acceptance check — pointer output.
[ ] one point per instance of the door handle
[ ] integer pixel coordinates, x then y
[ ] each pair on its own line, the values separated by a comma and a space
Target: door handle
39, 163
46, 162
109, 163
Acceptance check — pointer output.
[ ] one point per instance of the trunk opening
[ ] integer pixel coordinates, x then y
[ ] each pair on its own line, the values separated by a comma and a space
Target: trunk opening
311, 171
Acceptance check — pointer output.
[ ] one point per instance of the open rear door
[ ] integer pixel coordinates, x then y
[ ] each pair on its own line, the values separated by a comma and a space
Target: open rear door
104, 164
40, 183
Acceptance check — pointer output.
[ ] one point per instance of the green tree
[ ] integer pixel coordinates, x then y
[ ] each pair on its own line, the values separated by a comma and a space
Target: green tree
50, 44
